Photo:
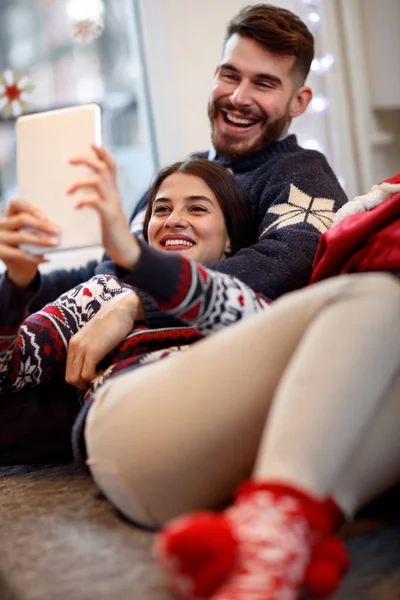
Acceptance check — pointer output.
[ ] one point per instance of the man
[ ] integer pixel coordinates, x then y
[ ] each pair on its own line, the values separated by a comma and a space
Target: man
292, 193
257, 90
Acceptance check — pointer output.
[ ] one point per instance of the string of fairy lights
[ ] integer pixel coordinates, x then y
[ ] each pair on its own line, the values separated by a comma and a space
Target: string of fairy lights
321, 64
312, 12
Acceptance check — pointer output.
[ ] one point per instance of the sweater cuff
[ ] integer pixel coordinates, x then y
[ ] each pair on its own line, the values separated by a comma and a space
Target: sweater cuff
157, 273
14, 301
154, 279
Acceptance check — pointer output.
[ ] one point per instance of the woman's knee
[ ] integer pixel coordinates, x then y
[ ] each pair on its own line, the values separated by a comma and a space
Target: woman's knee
117, 465
377, 284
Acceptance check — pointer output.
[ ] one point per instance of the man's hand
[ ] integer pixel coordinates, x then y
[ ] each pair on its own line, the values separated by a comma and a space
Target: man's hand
99, 336
16, 226
101, 193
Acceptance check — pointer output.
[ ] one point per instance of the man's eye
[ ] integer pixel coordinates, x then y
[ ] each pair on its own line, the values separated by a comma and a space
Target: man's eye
229, 76
264, 85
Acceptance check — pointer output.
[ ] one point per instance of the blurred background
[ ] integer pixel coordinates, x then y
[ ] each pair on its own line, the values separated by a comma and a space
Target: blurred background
355, 116
150, 63
74, 52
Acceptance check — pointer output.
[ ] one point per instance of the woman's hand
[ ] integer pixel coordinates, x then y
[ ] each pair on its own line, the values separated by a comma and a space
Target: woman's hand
16, 226
103, 195
99, 336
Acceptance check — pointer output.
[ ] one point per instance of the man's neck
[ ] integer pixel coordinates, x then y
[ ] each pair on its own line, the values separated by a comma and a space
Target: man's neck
212, 153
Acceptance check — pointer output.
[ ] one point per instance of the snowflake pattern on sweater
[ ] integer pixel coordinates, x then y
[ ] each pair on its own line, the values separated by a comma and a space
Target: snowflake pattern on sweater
34, 350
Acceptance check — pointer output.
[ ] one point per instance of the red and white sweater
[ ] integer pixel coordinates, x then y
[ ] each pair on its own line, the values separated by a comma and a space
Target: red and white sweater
33, 349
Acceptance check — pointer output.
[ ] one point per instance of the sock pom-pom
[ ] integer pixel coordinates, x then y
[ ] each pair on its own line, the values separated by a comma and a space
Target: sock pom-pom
203, 549
334, 550
329, 562
322, 578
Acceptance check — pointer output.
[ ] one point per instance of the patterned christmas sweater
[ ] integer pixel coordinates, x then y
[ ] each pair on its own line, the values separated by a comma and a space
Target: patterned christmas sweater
33, 349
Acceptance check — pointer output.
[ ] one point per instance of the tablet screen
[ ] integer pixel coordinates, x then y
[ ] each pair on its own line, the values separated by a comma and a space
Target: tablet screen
45, 142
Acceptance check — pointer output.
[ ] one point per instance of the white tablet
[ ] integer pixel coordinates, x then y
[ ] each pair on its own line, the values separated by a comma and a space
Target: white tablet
45, 142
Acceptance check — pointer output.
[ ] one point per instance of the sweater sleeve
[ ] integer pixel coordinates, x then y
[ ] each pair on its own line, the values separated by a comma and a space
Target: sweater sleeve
33, 349
55, 283
186, 290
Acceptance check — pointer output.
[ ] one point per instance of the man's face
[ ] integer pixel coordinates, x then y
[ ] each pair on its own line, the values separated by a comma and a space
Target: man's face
250, 103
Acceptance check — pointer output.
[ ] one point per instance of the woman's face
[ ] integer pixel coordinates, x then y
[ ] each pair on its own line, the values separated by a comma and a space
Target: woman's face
187, 218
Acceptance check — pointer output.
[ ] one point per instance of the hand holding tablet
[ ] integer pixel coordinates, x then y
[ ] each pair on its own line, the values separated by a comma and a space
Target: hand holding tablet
71, 180
23, 224
99, 191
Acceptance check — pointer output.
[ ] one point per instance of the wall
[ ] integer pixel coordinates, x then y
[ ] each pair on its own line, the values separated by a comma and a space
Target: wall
183, 45
371, 44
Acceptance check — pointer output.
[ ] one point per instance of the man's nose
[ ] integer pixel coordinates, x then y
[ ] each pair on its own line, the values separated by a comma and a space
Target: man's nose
242, 94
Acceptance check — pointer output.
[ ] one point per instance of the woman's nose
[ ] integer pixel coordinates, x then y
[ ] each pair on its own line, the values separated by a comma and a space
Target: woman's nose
175, 219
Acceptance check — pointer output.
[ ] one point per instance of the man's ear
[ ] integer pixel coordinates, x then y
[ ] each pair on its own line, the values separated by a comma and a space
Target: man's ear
301, 99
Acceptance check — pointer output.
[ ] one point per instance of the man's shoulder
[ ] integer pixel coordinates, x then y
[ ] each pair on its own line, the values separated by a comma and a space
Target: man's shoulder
296, 178
301, 166
297, 156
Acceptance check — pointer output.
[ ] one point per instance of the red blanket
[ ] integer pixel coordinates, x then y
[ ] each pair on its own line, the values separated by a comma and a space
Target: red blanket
367, 241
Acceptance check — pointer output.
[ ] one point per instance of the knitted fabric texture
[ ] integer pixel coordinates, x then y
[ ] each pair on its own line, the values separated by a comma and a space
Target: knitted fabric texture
273, 541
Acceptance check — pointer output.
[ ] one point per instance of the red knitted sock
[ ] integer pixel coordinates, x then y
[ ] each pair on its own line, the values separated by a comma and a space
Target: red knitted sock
270, 543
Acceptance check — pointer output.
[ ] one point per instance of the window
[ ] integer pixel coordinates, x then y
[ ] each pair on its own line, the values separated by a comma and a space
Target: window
74, 52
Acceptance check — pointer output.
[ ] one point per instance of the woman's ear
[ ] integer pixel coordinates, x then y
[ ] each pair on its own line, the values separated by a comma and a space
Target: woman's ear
228, 247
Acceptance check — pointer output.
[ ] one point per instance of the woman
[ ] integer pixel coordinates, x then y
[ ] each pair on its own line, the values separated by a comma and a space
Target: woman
327, 360
197, 213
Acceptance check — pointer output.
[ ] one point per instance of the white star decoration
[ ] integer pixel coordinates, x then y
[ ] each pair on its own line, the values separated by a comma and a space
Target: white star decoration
14, 90
302, 208
87, 30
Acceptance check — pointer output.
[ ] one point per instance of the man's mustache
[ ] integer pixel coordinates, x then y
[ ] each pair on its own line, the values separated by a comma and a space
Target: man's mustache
243, 111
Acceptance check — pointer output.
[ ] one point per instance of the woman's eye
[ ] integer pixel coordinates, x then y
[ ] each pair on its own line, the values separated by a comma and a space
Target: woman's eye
198, 209
160, 209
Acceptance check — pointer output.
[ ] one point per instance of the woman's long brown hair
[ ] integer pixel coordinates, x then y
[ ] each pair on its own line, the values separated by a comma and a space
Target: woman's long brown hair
226, 191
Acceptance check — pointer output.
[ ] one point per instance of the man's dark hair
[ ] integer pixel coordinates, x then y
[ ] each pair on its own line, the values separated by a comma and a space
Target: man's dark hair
226, 190
278, 30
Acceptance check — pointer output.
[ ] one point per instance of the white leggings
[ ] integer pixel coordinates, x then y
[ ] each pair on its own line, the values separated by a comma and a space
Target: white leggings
179, 435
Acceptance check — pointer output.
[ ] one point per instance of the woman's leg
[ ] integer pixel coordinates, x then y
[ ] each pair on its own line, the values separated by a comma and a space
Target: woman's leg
329, 393
375, 464
327, 397
180, 434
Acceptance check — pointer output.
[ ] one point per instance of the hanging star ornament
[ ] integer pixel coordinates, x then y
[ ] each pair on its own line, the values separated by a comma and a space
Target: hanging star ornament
87, 30
15, 88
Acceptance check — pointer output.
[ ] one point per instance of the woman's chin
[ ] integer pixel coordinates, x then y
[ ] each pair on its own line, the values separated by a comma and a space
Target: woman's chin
193, 253
187, 252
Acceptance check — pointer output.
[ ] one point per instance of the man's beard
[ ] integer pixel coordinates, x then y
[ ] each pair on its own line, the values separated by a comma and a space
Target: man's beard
231, 146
